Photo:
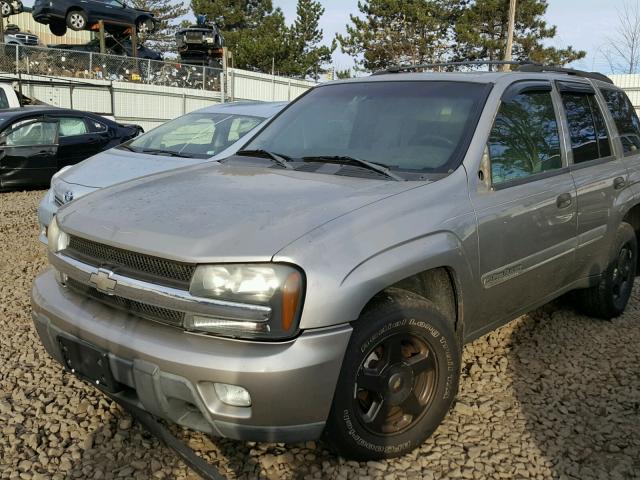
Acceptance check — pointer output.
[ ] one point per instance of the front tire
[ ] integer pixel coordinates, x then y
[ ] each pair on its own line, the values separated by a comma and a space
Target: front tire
608, 299
59, 29
399, 377
77, 20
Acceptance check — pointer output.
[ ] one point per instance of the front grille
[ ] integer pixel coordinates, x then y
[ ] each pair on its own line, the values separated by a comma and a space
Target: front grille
58, 201
195, 37
27, 39
144, 310
135, 265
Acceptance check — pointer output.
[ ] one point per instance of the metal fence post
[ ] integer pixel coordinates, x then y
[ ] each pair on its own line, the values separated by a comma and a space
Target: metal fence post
90, 63
149, 71
17, 58
289, 91
223, 88
204, 78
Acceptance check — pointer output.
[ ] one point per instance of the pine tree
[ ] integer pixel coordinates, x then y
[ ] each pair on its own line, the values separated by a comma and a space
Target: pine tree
481, 32
166, 14
392, 32
307, 56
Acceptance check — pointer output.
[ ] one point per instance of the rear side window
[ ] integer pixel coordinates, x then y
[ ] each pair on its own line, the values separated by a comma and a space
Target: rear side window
625, 117
72, 126
589, 136
524, 140
4, 102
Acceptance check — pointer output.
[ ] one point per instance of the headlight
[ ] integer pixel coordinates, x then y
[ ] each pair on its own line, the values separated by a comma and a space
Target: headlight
56, 239
279, 287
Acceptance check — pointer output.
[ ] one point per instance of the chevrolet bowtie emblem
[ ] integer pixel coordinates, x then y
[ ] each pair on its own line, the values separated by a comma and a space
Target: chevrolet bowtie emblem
102, 281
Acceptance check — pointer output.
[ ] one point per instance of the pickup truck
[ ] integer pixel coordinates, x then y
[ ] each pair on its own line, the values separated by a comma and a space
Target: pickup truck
322, 281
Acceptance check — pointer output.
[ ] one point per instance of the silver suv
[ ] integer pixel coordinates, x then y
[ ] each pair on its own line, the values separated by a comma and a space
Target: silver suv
323, 280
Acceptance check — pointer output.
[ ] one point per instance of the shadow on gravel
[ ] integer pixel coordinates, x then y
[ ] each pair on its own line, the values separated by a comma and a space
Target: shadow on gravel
577, 380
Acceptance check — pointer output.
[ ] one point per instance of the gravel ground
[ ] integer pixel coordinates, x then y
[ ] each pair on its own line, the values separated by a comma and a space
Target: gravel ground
551, 395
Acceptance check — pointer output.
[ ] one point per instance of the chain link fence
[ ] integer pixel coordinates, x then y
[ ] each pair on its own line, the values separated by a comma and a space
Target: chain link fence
97, 66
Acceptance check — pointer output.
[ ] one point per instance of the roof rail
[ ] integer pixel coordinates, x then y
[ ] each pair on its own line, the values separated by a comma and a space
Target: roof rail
521, 66
465, 63
569, 71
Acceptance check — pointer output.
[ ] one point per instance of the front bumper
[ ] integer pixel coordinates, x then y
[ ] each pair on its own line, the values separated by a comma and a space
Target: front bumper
170, 373
46, 15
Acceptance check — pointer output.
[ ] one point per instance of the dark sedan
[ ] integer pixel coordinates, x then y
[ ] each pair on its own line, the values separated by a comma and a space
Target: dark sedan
113, 47
81, 15
36, 142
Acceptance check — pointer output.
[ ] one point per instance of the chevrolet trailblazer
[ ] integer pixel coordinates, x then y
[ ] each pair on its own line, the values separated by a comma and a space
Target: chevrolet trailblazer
322, 281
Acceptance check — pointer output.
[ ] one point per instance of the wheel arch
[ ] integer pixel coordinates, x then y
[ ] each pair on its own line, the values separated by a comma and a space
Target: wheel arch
434, 267
74, 8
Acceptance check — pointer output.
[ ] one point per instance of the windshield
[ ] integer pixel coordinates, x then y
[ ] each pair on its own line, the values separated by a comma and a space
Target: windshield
196, 135
419, 126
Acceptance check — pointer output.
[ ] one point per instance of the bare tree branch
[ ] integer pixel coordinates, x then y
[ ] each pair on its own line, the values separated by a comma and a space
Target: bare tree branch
622, 49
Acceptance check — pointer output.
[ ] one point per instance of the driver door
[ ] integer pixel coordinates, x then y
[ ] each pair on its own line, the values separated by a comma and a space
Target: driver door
28, 153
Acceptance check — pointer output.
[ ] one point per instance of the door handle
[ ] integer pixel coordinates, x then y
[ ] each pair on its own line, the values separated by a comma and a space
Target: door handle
619, 183
564, 200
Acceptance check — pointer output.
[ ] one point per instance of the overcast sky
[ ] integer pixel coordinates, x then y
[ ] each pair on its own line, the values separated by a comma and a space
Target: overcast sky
584, 28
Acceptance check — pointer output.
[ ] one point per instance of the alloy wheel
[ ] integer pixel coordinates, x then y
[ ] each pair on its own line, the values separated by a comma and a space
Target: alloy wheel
77, 21
395, 384
622, 276
5, 8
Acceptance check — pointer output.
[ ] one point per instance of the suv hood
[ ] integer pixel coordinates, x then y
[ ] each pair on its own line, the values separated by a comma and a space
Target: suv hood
115, 166
219, 213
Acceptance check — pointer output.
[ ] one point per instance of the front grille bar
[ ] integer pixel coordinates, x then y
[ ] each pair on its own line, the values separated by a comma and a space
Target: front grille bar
159, 295
144, 310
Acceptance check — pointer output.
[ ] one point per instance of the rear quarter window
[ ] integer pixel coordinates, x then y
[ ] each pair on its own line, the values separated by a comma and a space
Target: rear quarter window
625, 117
587, 129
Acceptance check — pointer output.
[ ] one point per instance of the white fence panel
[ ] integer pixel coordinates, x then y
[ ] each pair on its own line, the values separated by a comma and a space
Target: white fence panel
245, 85
631, 85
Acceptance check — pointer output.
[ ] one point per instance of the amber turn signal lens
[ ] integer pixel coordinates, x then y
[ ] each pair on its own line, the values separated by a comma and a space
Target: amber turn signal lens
290, 299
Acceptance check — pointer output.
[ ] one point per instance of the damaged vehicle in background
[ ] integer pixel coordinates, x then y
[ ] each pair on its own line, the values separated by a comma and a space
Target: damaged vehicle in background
200, 44
82, 15
113, 46
205, 135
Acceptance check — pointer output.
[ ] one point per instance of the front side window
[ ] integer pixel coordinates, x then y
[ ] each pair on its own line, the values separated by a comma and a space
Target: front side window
30, 133
410, 126
625, 118
524, 140
196, 135
71, 126
587, 129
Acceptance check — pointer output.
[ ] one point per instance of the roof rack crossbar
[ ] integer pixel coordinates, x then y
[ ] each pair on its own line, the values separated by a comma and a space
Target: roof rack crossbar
465, 63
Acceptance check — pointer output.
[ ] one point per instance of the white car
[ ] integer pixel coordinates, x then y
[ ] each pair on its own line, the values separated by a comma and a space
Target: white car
208, 134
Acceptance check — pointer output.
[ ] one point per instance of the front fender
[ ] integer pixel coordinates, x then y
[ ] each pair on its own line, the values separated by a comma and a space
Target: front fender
436, 250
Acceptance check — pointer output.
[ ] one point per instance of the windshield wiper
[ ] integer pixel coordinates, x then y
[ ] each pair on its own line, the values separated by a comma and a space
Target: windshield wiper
342, 159
168, 153
282, 160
